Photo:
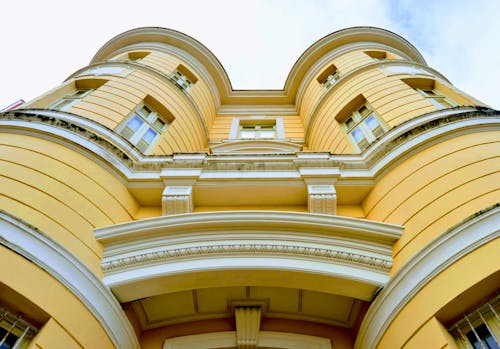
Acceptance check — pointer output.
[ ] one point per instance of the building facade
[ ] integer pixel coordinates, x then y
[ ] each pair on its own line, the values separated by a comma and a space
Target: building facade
147, 204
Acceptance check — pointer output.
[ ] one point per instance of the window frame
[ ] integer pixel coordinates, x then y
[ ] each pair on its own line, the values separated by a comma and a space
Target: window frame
257, 130
435, 97
469, 325
359, 119
71, 99
148, 121
237, 122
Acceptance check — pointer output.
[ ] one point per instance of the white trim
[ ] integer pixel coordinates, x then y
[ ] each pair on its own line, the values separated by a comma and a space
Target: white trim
355, 250
256, 146
49, 255
267, 339
433, 259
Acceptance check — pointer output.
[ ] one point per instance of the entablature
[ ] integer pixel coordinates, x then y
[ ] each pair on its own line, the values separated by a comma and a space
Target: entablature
239, 179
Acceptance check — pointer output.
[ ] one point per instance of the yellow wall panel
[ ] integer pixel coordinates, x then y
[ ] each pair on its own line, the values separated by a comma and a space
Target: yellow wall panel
49, 295
447, 285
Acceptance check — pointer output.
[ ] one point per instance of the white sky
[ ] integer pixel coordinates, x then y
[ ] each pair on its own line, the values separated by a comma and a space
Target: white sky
257, 41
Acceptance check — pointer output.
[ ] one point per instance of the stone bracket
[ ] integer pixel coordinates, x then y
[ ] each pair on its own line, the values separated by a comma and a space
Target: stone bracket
322, 197
177, 199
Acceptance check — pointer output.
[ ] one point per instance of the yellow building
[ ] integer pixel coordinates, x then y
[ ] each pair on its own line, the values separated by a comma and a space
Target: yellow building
147, 204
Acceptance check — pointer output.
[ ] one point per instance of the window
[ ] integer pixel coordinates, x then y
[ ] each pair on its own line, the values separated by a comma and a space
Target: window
69, 100
14, 331
363, 126
144, 127
257, 129
183, 78
479, 329
436, 98
328, 77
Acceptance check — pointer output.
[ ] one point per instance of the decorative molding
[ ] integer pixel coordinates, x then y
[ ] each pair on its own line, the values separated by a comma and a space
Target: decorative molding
247, 327
423, 267
36, 246
354, 250
256, 146
337, 256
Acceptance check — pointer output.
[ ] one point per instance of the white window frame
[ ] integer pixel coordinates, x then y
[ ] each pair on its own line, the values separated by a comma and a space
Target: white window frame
71, 99
237, 124
330, 80
358, 121
436, 98
148, 117
106, 70
486, 315
181, 80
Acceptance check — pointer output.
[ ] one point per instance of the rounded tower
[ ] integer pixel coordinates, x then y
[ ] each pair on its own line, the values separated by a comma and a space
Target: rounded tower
147, 204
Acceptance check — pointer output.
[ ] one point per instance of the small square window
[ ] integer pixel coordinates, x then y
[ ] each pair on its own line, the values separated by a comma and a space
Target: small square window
328, 77
183, 77
257, 130
143, 128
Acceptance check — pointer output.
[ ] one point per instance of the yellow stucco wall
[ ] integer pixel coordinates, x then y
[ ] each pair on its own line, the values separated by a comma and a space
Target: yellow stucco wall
437, 188
61, 192
406, 330
71, 324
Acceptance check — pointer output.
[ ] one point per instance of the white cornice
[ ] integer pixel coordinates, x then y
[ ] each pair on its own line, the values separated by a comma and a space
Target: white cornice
49, 255
135, 170
423, 267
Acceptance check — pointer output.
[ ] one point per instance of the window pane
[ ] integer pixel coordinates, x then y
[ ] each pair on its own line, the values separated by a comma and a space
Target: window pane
149, 136
349, 123
135, 123
372, 122
144, 111
247, 134
267, 134
159, 123
358, 135
9, 341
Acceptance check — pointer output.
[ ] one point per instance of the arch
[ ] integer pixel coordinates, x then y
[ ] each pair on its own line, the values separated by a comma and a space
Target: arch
47, 254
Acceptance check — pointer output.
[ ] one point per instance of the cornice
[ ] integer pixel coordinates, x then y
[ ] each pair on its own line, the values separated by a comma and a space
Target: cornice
121, 158
228, 96
355, 250
307, 223
449, 247
37, 247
